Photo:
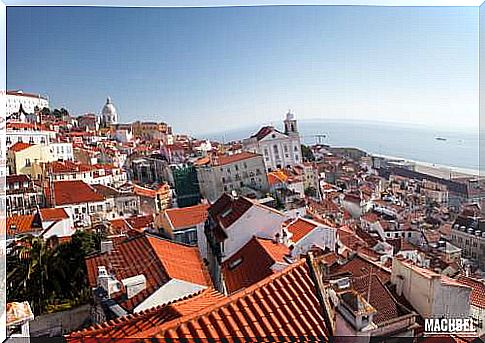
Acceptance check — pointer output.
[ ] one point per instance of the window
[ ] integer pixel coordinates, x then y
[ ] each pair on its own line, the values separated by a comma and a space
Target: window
266, 152
235, 263
27, 162
286, 148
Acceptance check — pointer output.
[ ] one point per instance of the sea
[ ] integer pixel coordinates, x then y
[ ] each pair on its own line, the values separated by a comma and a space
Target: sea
457, 149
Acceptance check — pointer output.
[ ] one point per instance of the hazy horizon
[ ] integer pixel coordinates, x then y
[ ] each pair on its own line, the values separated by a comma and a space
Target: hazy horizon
215, 69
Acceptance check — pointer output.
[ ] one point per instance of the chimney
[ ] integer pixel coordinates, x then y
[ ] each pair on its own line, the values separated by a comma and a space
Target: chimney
106, 246
134, 285
107, 282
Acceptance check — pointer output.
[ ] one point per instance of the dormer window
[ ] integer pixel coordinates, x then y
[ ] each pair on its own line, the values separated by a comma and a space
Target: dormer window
235, 263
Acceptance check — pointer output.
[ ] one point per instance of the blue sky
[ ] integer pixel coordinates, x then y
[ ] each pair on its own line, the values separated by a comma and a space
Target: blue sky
215, 69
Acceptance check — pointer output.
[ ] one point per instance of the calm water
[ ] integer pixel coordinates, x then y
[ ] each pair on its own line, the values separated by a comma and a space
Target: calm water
460, 149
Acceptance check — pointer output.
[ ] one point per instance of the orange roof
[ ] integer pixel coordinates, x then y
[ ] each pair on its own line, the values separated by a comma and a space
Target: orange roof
74, 192
22, 224
478, 290
140, 223
19, 146
252, 263
360, 266
180, 261
53, 214
150, 193
187, 216
59, 167
228, 159
282, 305
277, 176
300, 228
145, 322
159, 260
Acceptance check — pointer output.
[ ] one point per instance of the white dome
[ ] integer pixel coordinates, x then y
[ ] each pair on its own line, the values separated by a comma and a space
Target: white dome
109, 113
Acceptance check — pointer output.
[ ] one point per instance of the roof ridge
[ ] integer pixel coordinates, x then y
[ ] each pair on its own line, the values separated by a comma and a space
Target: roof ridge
139, 315
229, 299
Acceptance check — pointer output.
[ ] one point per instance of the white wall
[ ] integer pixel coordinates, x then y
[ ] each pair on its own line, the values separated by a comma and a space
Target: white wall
172, 290
257, 221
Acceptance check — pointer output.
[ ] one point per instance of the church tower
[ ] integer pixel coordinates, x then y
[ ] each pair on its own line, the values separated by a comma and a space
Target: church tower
291, 128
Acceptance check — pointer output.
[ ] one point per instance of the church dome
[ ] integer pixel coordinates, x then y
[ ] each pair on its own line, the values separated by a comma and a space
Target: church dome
109, 113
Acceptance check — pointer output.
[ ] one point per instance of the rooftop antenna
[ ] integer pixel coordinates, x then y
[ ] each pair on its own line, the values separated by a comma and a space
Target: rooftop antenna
370, 282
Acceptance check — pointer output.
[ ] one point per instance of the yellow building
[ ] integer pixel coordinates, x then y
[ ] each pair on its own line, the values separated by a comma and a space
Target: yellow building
24, 158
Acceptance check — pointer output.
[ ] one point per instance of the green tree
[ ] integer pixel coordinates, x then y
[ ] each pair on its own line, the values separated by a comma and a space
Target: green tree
307, 153
46, 273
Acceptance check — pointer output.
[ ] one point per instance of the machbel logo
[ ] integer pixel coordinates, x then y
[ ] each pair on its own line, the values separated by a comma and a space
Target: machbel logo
448, 326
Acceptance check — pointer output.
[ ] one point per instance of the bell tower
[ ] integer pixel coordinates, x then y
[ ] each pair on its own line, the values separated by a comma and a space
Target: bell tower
291, 127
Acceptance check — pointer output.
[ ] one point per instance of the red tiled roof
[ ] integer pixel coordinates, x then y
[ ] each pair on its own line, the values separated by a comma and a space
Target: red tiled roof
60, 167
370, 217
300, 228
187, 216
53, 214
19, 146
74, 192
263, 132
228, 159
11, 179
478, 290
180, 261
379, 297
145, 322
360, 266
252, 263
282, 305
22, 224
159, 260
140, 223
228, 210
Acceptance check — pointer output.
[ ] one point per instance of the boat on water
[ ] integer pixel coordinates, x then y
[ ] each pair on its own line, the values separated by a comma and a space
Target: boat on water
440, 139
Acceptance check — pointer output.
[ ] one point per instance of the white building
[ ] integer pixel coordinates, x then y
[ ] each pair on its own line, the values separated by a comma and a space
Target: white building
27, 133
431, 294
61, 151
279, 149
29, 102
109, 115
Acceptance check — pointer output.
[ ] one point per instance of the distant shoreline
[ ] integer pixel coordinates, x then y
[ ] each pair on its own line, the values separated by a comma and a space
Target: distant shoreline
434, 169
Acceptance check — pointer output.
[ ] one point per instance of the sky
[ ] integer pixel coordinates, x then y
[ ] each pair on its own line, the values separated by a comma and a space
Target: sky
215, 69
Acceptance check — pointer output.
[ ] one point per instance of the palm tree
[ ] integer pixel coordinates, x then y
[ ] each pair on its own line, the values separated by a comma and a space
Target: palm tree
28, 272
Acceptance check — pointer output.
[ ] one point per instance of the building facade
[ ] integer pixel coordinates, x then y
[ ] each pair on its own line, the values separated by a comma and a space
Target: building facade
29, 102
279, 149
227, 173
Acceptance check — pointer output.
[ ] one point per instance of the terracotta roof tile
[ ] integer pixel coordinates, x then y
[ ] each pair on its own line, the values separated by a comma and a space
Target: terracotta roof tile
300, 228
379, 297
53, 214
228, 159
187, 216
283, 306
146, 322
19, 146
74, 192
360, 266
227, 210
20, 224
158, 259
478, 290
252, 263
